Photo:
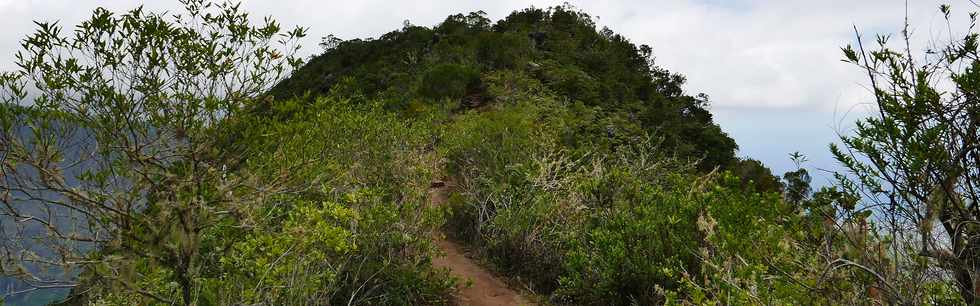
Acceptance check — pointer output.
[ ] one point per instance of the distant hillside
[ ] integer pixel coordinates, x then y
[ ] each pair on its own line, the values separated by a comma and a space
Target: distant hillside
23, 235
608, 77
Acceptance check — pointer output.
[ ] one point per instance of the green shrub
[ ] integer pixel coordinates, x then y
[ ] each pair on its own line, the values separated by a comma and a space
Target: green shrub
503, 50
371, 172
354, 228
629, 225
513, 86
572, 82
339, 250
643, 239
449, 81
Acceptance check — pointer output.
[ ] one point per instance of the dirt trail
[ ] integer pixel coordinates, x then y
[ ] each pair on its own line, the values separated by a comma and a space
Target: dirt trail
486, 289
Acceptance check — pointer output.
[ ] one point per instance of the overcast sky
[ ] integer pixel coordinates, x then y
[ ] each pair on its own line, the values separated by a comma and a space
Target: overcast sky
772, 68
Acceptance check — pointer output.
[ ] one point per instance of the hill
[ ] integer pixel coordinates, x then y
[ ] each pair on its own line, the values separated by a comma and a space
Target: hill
548, 160
613, 86
560, 144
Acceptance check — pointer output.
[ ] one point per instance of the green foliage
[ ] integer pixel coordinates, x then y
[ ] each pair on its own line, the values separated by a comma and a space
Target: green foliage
753, 173
916, 161
598, 227
584, 224
325, 253
797, 185
118, 154
449, 81
355, 229
503, 50
364, 237
577, 167
571, 81
636, 241
314, 230
498, 145
559, 48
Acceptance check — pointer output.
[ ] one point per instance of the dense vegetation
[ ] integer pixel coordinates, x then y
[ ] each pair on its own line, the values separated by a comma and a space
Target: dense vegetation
576, 167
608, 84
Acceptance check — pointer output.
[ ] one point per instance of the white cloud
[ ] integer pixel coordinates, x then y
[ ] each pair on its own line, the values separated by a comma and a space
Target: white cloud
781, 54
745, 54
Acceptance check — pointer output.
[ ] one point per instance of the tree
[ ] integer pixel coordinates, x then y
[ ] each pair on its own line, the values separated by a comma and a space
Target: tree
753, 172
113, 160
797, 181
917, 159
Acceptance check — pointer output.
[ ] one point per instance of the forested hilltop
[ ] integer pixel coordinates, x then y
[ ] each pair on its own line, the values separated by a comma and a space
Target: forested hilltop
609, 84
217, 168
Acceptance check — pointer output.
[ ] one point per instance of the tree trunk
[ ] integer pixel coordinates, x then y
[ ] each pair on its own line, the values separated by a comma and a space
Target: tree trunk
185, 287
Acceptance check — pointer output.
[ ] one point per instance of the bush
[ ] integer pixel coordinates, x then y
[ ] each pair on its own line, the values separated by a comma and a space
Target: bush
574, 83
625, 224
373, 172
503, 50
449, 81
588, 227
338, 250
354, 228
643, 240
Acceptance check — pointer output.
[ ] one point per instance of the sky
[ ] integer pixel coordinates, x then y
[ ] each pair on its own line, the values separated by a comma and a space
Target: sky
771, 68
